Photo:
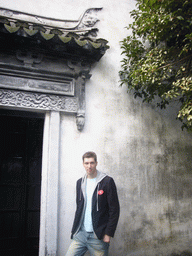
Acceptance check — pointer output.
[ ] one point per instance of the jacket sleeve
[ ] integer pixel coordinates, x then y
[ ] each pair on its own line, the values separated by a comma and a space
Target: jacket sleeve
79, 206
114, 208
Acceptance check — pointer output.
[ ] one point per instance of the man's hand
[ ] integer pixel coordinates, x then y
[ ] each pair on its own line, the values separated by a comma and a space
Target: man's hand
106, 239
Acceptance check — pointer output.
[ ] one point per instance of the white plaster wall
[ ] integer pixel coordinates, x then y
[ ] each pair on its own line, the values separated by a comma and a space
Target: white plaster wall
142, 148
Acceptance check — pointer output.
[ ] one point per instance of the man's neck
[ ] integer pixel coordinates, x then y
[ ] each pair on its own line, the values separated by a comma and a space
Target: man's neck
92, 176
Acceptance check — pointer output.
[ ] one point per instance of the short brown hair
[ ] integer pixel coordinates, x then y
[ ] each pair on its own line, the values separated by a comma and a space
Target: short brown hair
90, 154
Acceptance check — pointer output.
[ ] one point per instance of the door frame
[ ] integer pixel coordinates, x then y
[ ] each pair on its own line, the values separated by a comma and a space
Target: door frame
49, 181
49, 185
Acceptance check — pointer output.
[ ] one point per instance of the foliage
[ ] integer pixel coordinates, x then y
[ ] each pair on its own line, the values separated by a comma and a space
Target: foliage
157, 60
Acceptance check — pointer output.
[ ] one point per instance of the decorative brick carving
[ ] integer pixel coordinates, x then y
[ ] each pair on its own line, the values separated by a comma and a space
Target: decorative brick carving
80, 121
29, 58
30, 100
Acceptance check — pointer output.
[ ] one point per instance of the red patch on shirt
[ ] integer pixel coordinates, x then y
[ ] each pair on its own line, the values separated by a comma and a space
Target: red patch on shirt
100, 192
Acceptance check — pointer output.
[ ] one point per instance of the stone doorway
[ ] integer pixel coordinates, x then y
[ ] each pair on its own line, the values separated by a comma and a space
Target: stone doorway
21, 139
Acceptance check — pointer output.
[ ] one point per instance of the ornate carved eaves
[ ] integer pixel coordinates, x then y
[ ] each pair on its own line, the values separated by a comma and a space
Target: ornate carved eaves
44, 63
50, 36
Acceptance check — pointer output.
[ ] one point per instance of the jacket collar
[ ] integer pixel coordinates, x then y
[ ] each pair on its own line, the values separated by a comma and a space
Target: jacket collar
100, 176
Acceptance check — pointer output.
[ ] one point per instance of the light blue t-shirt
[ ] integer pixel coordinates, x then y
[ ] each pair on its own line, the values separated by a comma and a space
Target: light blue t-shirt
90, 186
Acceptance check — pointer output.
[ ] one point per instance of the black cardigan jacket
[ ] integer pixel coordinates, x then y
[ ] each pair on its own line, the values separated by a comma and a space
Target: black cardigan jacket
105, 206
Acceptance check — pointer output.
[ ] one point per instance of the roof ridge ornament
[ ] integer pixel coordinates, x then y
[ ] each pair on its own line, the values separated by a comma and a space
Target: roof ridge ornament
84, 24
89, 18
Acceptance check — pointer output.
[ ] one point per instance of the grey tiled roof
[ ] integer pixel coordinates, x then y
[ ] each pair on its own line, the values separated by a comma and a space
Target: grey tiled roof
78, 35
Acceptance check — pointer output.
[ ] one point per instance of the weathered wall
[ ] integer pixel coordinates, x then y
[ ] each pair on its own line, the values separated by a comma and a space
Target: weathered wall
145, 150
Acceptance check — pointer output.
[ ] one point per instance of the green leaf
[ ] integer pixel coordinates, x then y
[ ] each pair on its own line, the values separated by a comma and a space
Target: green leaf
157, 57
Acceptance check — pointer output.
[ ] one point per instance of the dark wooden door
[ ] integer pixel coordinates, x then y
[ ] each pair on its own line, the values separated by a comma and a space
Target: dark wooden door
21, 137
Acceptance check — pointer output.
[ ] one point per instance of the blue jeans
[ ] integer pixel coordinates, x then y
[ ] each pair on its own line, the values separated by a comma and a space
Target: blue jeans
87, 241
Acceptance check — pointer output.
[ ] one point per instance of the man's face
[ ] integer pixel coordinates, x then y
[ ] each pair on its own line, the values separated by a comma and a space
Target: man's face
90, 167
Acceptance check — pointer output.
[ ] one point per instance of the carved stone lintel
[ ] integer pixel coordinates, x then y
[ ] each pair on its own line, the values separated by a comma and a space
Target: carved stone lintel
29, 100
40, 100
26, 93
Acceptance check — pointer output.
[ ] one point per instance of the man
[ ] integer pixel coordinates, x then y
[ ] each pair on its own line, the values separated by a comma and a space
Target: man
97, 211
